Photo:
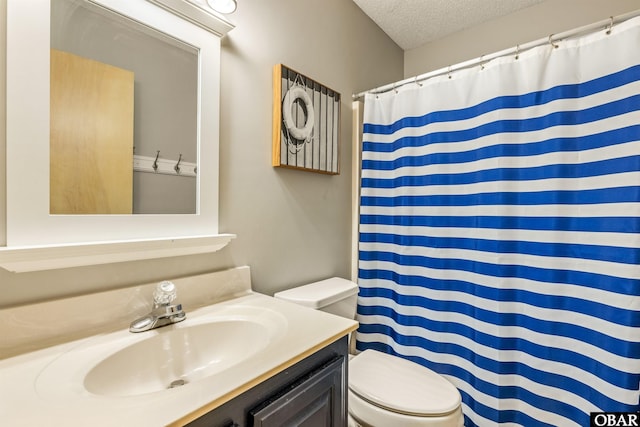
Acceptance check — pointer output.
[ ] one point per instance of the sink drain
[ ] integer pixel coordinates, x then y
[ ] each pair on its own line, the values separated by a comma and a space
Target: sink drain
177, 383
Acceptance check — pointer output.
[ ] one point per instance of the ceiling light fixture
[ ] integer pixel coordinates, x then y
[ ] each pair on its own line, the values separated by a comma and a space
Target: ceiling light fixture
223, 6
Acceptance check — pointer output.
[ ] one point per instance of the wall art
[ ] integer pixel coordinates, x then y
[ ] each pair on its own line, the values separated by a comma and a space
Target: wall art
306, 123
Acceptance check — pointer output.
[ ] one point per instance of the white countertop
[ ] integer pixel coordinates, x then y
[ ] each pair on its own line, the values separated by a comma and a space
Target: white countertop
28, 396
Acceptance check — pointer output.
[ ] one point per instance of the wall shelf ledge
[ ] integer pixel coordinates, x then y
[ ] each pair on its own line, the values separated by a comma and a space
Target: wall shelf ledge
20, 259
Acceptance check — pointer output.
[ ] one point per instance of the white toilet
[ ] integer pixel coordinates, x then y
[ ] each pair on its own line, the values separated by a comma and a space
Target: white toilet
384, 390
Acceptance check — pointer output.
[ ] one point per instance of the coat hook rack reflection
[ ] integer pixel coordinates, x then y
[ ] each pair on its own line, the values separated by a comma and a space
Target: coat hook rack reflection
177, 166
158, 165
155, 162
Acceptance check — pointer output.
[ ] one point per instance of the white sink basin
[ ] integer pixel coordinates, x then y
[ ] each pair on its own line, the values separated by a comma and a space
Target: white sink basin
51, 385
167, 359
177, 357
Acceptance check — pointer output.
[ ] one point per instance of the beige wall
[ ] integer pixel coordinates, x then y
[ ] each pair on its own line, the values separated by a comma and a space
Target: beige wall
3, 97
292, 226
533, 23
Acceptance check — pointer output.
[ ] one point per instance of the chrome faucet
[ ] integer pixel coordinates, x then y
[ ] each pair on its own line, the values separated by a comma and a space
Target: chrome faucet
164, 312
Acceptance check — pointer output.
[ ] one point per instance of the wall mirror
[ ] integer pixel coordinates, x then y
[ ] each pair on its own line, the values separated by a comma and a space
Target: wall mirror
120, 87
165, 111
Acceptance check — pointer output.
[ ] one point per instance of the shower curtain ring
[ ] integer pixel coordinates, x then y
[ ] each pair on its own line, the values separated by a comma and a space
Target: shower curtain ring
555, 46
610, 27
517, 52
417, 82
449, 71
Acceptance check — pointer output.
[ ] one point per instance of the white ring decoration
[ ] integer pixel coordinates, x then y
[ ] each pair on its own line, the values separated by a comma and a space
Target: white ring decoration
293, 94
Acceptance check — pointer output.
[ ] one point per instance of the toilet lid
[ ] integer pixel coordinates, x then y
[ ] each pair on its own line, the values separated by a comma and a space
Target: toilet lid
320, 294
400, 385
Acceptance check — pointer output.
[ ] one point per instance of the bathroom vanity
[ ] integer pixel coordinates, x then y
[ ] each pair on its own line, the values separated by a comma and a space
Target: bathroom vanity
239, 358
311, 392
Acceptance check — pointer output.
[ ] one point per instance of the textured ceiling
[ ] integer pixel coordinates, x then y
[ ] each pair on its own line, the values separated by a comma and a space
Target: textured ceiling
412, 23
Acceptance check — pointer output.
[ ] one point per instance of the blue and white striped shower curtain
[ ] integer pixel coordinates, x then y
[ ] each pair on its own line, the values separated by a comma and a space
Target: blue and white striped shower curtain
500, 230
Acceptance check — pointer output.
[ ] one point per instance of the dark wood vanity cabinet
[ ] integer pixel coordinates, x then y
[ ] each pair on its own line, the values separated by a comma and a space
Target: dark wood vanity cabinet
314, 400
311, 393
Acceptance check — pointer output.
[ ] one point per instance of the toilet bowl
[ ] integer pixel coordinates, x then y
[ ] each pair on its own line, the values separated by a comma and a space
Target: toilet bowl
384, 390
391, 391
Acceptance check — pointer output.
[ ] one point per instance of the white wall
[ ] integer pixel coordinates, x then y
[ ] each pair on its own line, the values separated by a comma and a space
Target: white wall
292, 226
526, 25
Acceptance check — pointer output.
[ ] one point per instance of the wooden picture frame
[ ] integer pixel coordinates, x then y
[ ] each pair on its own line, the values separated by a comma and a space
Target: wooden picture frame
306, 123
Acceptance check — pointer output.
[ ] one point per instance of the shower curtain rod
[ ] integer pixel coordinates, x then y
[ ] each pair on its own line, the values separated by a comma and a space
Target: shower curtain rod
606, 24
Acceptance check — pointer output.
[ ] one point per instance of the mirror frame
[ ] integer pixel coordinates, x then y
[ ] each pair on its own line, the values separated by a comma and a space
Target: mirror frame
29, 223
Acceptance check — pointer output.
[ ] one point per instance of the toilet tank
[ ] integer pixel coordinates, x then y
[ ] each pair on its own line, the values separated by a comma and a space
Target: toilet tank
335, 295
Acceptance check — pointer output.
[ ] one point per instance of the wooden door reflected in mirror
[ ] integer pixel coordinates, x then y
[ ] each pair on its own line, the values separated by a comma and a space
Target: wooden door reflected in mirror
91, 136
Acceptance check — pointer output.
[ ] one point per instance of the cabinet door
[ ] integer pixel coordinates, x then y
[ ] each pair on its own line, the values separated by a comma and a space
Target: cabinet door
315, 401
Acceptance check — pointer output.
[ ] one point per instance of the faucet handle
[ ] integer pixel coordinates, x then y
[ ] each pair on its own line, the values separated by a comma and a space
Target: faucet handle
164, 293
